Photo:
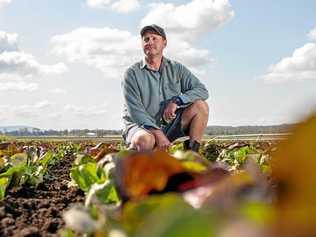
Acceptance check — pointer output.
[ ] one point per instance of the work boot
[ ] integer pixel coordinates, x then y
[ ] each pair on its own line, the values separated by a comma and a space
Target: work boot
191, 145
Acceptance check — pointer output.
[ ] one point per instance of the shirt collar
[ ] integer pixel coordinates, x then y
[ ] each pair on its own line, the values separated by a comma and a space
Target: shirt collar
143, 63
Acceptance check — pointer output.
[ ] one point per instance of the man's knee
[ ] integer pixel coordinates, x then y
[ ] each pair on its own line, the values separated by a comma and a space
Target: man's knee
143, 141
200, 107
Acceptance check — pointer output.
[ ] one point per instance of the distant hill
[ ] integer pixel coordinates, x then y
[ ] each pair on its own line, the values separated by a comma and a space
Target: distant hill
232, 130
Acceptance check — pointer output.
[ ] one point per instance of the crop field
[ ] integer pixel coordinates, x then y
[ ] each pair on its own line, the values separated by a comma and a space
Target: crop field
233, 187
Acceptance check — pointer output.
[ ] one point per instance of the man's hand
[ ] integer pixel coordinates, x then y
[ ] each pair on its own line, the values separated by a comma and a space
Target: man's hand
162, 142
170, 112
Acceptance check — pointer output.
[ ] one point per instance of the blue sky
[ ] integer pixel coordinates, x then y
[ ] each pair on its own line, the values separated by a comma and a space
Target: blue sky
61, 62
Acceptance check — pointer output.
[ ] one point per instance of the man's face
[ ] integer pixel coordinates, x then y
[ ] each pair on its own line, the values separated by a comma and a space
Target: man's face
153, 44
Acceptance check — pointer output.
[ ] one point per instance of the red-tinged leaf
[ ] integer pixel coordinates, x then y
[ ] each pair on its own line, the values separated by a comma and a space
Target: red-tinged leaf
140, 173
4, 145
102, 149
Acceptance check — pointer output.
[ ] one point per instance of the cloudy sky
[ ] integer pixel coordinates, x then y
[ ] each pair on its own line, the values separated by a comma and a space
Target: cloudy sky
61, 62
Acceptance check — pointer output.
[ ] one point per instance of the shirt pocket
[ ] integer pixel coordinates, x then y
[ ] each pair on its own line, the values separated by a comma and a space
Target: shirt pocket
173, 87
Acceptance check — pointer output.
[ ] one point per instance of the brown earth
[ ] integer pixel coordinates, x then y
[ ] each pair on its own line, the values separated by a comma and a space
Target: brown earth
38, 211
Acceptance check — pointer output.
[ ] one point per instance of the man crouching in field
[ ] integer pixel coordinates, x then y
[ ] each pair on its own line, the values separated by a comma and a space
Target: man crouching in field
163, 99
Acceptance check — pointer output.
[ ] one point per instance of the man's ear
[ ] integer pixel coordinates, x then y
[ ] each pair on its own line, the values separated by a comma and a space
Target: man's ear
165, 43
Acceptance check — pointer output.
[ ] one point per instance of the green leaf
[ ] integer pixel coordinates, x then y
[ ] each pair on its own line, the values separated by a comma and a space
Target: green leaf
13, 170
176, 147
45, 159
3, 186
86, 175
105, 192
258, 212
66, 233
193, 166
83, 159
14, 174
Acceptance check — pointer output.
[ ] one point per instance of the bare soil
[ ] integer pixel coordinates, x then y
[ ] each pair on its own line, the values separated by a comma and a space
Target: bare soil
38, 211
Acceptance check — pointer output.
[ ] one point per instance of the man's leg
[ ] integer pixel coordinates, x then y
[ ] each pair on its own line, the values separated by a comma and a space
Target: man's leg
195, 119
142, 140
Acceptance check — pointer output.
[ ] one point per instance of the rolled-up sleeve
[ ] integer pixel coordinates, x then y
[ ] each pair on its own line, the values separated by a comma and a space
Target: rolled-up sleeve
191, 87
133, 102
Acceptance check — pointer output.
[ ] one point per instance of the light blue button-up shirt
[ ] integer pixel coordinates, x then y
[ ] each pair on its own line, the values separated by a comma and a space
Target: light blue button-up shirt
144, 90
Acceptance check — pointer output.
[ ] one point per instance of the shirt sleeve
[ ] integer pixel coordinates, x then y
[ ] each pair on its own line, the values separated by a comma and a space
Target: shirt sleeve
191, 87
134, 105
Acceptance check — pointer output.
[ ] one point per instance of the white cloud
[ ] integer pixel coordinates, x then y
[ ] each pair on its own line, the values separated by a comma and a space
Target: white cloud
109, 50
112, 50
192, 20
18, 86
12, 82
312, 34
184, 52
125, 6
58, 91
4, 3
187, 22
9, 77
24, 64
122, 6
21, 112
98, 3
55, 116
42, 104
8, 42
15, 61
300, 66
88, 112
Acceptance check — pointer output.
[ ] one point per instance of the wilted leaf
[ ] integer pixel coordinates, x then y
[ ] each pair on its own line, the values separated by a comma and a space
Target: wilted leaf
18, 159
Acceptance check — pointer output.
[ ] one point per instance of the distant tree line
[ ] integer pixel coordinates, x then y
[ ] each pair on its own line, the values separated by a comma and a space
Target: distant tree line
211, 130
66, 132
230, 130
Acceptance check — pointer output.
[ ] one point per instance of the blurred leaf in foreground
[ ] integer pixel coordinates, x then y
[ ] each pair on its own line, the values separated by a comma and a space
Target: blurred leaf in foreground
169, 216
139, 173
294, 171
